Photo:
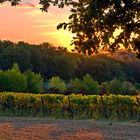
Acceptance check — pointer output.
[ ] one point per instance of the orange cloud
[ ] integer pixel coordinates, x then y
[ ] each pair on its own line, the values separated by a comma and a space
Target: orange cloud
34, 13
26, 5
33, 25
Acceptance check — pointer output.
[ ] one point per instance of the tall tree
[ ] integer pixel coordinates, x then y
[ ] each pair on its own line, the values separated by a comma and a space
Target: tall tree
95, 21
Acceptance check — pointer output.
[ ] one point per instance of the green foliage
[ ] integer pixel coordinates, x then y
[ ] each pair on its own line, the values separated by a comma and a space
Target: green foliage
90, 86
65, 65
11, 54
104, 88
50, 61
75, 86
3, 81
86, 85
129, 88
13, 80
101, 67
57, 84
115, 87
137, 85
34, 82
74, 106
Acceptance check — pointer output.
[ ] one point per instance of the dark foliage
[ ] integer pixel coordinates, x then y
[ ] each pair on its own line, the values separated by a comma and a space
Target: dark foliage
50, 61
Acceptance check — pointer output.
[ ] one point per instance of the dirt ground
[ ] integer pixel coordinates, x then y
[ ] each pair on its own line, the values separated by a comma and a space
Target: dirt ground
54, 129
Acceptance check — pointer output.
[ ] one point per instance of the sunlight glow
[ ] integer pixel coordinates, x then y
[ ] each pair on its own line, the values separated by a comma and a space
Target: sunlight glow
28, 23
61, 37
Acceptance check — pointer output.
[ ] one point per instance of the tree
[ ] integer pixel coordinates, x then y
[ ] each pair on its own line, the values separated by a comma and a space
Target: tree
3, 81
12, 54
104, 88
137, 86
34, 82
13, 80
115, 87
129, 88
117, 72
57, 85
90, 86
101, 67
95, 21
75, 86
65, 65
36, 59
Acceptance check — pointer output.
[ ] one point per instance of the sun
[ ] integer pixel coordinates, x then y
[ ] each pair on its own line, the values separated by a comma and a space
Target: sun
61, 38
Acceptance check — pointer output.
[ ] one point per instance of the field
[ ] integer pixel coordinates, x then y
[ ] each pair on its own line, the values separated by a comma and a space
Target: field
49, 129
72, 117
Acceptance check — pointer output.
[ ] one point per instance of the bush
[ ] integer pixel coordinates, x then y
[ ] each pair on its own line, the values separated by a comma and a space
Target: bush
13, 80
34, 82
137, 86
115, 87
124, 88
57, 85
129, 88
104, 88
75, 86
90, 85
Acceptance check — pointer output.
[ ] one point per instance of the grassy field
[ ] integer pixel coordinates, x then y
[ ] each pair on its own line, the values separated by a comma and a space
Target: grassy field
15, 128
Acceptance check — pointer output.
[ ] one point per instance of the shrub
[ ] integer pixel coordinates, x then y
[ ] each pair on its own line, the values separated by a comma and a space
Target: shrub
13, 80
57, 85
137, 86
75, 86
115, 87
90, 85
104, 88
129, 88
125, 88
34, 82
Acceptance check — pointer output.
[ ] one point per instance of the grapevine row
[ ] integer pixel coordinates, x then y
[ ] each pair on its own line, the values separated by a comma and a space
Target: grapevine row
72, 106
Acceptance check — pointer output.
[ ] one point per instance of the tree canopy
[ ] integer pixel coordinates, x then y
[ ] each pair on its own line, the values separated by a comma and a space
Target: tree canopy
52, 61
95, 21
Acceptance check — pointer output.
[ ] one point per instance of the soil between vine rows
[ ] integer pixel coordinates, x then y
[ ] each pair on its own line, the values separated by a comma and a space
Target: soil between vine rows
15, 128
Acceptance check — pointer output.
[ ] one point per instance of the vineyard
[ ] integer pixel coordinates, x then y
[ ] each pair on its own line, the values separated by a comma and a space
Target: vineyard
70, 106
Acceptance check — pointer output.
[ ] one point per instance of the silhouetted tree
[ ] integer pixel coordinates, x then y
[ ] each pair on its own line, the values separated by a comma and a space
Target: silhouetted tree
95, 21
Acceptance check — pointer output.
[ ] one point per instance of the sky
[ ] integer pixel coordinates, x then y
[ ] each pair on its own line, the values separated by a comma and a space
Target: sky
27, 23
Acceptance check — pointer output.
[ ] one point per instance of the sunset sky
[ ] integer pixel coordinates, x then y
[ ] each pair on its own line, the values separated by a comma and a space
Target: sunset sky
27, 23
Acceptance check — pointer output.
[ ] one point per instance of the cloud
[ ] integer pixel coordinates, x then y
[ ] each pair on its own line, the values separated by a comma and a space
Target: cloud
33, 25
26, 5
34, 13
30, 1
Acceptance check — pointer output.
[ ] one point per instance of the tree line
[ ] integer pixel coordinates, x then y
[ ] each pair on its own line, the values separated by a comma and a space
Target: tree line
50, 62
